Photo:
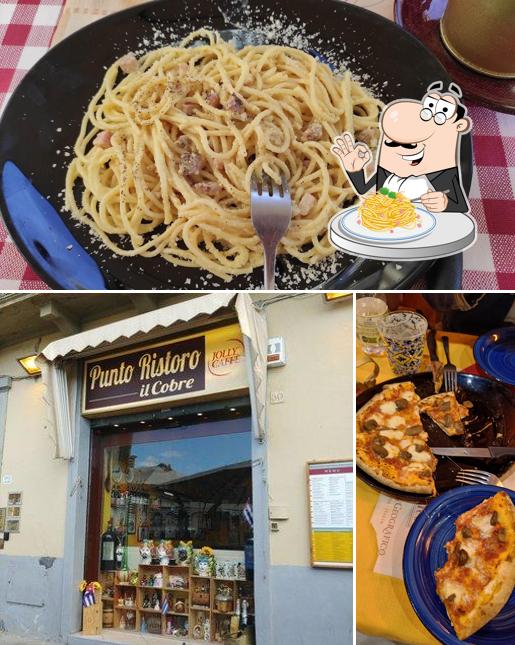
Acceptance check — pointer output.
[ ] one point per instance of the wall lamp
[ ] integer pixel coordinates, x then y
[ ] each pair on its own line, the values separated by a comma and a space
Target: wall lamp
331, 296
30, 365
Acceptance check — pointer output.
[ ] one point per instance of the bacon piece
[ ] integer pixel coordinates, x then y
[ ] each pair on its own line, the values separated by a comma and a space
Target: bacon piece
235, 104
306, 204
128, 63
313, 132
189, 107
191, 163
212, 99
211, 188
103, 139
184, 142
370, 136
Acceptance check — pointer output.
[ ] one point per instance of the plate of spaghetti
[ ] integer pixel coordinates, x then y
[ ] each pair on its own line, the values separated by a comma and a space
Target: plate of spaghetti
168, 146
128, 162
387, 217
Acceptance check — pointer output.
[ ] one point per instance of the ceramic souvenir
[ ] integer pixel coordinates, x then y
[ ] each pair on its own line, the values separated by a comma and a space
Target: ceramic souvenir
184, 552
162, 554
145, 552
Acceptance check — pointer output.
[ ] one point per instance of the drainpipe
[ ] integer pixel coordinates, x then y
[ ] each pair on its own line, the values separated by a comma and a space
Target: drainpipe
5, 386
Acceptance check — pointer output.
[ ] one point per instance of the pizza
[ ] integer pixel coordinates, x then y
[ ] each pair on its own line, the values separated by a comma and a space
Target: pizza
391, 443
446, 412
479, 576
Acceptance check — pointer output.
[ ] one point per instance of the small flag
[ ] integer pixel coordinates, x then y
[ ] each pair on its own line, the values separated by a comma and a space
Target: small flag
88, 597
166, 606
248, 515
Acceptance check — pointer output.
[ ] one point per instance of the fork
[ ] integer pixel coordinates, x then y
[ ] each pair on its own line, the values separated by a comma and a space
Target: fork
271, 211
470, 476
419, 201
450, 372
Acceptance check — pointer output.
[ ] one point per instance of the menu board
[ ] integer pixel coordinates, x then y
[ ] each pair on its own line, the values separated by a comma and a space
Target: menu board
330, 487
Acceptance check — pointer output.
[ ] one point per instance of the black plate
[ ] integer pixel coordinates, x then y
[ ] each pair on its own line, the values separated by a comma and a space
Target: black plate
491, 422
44, 114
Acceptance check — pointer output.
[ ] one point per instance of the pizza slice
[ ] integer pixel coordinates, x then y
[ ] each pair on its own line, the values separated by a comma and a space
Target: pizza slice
446, 412
479, 576
391, 443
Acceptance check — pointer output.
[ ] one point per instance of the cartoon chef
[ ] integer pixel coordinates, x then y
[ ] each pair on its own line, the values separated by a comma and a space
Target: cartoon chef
418, 154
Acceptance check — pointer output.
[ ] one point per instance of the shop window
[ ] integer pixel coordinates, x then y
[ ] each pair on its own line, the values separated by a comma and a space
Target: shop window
162, 495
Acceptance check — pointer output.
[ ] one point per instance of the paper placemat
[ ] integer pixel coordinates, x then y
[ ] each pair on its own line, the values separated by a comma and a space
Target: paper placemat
392, 520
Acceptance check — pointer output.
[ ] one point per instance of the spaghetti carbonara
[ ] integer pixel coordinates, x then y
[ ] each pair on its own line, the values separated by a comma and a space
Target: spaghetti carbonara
387, 210
165, 154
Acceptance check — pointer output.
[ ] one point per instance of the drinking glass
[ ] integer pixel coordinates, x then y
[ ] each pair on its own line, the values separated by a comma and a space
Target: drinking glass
404, 335
369, 312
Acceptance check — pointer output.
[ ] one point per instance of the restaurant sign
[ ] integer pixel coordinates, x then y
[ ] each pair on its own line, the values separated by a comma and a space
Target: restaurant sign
165, 371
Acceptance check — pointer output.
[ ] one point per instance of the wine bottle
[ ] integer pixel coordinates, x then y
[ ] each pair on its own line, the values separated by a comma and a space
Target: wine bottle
107, 549
119, 552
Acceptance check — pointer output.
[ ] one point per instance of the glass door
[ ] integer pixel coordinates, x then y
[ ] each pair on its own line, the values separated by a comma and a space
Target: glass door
157, 498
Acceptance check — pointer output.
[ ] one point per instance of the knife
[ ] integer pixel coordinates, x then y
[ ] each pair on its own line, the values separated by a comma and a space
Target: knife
436, 366
491, 452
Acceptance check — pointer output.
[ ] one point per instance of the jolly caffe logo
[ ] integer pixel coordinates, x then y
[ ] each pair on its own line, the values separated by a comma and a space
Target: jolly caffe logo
226, 357
147, 374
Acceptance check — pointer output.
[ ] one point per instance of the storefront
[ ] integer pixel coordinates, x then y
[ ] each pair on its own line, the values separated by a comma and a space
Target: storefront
171, 435
167, 483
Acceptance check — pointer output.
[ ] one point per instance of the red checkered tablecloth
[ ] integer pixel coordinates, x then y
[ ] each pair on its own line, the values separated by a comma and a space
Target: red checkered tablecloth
26, 28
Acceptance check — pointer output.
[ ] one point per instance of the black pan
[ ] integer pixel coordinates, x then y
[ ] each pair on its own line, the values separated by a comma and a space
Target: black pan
491, 422
44, 114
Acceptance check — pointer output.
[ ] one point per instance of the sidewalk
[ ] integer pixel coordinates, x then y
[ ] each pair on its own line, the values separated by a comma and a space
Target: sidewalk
10, 639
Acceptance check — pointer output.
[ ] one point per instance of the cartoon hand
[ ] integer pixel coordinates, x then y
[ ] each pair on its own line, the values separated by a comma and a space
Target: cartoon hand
352, 156
434, 201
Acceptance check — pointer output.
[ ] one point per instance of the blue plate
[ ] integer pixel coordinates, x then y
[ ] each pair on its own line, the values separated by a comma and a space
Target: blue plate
424, 553
495, 354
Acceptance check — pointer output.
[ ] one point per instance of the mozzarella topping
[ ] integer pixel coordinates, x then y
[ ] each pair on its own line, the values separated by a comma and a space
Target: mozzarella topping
393, 451
413, 465
409, 395
393, 434
483, 524
419, 456
394, 422
388, 408
450, 587
405, 443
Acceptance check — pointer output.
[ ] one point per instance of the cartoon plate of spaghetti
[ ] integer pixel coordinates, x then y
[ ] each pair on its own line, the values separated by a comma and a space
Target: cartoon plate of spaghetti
387, 216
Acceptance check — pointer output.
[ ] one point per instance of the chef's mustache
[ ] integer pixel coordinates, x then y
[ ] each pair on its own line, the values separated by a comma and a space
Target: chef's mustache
396, 144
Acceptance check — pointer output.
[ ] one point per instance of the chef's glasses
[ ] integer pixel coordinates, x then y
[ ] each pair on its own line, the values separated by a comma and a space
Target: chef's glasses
438, 109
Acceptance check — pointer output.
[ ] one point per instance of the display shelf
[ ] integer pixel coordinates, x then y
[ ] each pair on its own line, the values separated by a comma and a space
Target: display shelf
154, 566
209, 586
125, 584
